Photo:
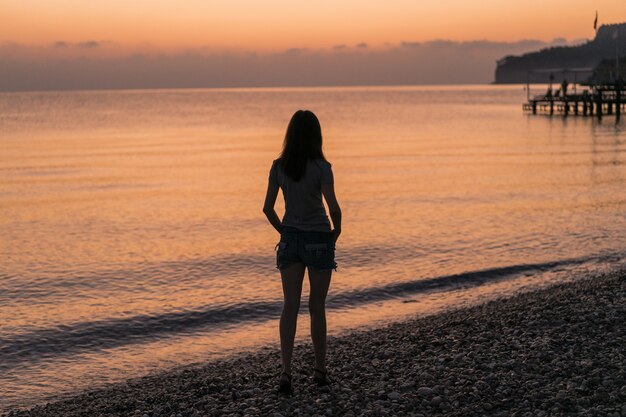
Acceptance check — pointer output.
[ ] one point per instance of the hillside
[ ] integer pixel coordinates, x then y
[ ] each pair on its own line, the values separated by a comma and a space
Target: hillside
514, 69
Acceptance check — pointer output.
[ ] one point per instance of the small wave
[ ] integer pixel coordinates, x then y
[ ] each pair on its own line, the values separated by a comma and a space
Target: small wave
48, 287
95, 335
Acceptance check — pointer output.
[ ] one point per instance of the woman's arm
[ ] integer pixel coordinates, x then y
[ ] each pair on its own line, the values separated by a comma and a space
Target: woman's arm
328, 191
268, 207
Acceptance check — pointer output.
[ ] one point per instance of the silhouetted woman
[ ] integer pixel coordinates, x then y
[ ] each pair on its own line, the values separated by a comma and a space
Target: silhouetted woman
306, 238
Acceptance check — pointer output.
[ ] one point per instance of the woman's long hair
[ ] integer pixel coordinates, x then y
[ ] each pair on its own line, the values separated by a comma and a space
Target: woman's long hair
303, 142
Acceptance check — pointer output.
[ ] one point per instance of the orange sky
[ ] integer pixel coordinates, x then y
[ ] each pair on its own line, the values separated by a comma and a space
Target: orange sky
278, 24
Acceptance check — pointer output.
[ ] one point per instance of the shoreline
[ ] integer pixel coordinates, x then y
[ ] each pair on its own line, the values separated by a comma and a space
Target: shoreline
552, 351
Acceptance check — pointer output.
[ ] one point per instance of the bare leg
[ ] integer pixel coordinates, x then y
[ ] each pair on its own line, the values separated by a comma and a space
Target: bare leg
319, 281
292, 277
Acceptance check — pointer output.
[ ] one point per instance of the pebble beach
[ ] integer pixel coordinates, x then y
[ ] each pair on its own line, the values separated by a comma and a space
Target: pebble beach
551, 352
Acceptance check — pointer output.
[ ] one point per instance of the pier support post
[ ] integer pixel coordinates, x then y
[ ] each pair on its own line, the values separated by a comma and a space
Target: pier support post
590, 107
576, 108
609, 108
599, 105
551, 107
565, 107
534, 107
584, 107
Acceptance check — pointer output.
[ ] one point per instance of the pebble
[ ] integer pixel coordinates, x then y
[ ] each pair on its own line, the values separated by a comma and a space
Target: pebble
393, 395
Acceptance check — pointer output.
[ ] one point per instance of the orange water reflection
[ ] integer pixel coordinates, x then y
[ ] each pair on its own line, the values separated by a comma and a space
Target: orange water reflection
135, 205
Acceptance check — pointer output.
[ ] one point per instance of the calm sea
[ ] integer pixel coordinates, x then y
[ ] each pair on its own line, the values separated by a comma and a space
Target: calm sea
133, 241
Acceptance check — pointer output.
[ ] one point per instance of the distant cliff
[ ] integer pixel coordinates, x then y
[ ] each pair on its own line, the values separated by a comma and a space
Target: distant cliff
514, 69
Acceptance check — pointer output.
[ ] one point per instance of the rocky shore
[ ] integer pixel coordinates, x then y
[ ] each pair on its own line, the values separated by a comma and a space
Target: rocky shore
552, 352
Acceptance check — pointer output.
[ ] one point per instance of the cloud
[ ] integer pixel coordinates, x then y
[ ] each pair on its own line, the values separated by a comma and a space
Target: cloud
295, 51
559, 42
89, 44
92, 65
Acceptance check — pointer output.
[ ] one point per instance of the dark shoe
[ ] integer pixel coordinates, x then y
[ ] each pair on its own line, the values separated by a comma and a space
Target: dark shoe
285, 384
321, 378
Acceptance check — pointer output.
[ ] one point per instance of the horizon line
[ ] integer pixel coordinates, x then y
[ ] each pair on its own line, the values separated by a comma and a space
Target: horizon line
262, 87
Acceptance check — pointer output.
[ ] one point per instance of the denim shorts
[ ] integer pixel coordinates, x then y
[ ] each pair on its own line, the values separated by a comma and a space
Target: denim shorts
314, 249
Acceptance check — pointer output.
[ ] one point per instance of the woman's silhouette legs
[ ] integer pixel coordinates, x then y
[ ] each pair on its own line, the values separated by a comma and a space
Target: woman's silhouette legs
292, 277
319, 281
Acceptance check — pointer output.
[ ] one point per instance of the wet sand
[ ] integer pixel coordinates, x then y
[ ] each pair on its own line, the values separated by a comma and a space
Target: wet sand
551, 352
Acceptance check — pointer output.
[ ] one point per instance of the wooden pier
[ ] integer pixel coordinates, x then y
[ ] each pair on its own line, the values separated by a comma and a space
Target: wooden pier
599, 100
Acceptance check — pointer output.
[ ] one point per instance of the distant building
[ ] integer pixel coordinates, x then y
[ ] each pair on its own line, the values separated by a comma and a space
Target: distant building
607, 71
